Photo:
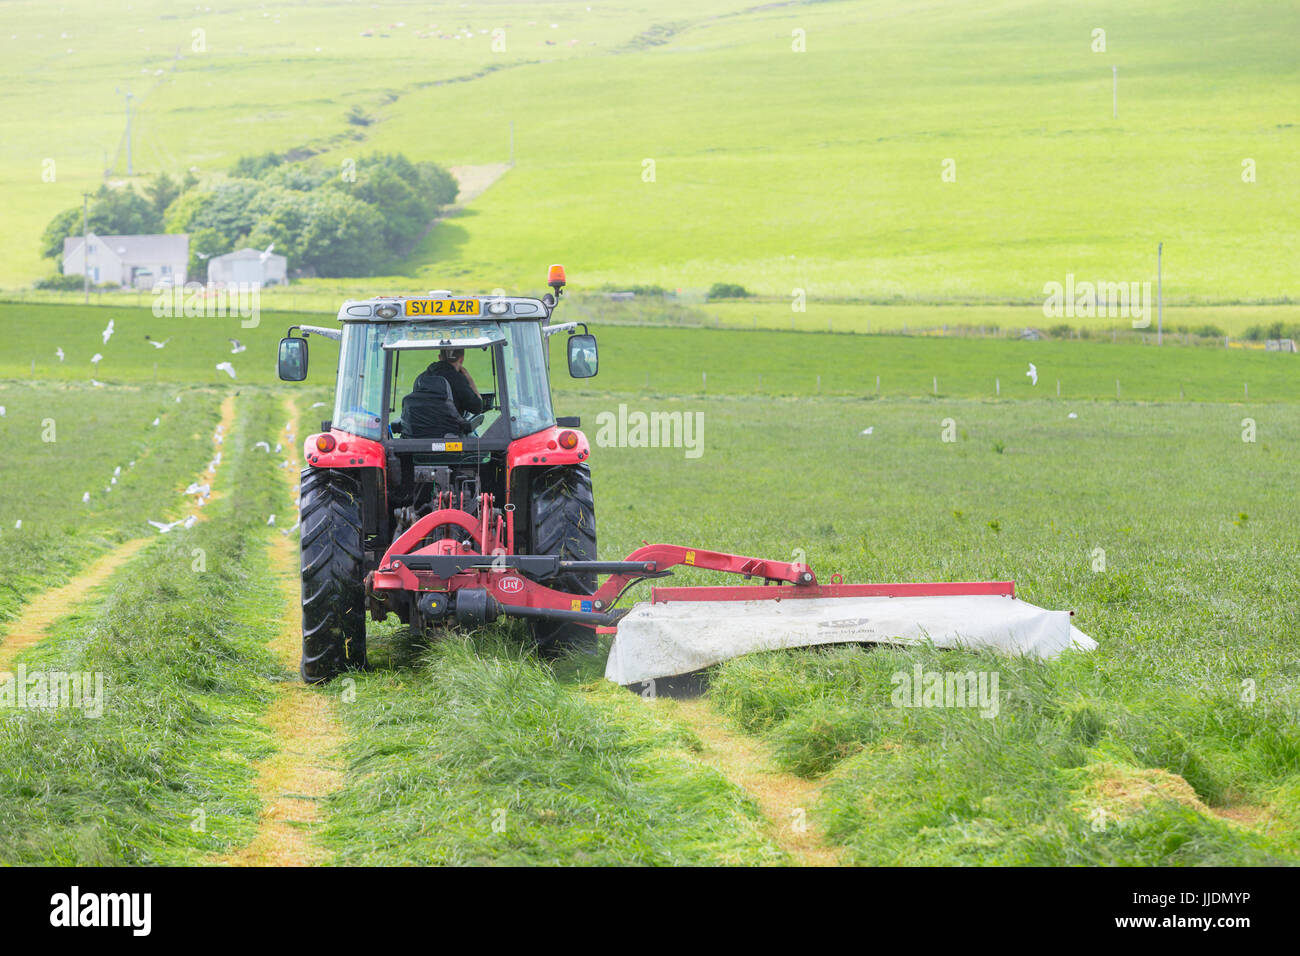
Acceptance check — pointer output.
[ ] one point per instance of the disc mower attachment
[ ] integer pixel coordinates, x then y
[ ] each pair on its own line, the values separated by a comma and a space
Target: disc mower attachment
683, 630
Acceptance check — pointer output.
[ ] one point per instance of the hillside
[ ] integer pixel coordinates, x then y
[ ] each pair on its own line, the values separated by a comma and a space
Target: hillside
772, 168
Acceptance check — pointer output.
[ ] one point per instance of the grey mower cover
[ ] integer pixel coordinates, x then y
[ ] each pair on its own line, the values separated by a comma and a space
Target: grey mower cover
678, 637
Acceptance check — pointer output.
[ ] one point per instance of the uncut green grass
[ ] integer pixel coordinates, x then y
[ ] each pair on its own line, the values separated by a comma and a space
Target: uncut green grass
95, 430
165, 776
1197, 597
666, 360
471, 752
778, 170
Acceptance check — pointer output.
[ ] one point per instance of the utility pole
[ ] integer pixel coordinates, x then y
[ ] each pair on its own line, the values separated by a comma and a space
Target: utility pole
1114, 92
85, 249
130, 171
1160, 298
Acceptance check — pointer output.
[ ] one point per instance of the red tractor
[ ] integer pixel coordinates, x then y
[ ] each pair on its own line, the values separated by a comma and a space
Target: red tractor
494, 515
441, 513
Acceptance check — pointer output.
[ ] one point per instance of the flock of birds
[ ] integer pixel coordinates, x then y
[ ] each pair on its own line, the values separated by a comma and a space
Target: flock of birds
236, 347
200, 490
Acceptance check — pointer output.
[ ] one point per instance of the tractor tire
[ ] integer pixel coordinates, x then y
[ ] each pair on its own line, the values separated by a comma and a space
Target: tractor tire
333, 577
562, 521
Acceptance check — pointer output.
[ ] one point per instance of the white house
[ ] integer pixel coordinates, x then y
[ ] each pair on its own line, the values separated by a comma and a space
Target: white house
249, 267
133, 262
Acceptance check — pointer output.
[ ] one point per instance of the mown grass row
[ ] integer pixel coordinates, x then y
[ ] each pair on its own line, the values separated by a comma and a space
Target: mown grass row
473, 752
164, 776
1079, 766
66, 440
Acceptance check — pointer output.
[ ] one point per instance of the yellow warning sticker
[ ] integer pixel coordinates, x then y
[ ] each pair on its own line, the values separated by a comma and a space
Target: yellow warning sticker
690, 557
575, 605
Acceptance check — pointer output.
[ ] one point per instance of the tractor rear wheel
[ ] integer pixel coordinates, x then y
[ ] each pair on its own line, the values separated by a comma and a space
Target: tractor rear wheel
563, 521
333, 585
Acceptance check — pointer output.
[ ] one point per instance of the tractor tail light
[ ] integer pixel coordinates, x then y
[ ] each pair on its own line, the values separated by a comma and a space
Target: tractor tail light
325, 443
568, 439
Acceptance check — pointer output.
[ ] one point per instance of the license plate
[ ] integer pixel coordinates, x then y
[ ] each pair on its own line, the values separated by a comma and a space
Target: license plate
436, 307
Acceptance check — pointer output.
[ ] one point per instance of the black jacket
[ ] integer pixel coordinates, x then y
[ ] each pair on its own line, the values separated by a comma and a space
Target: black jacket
465, 397
430, 410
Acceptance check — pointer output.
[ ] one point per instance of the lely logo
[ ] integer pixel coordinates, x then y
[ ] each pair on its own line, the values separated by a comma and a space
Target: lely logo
511, 585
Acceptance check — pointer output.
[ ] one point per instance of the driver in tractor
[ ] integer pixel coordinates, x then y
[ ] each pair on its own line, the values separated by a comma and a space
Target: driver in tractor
441, 397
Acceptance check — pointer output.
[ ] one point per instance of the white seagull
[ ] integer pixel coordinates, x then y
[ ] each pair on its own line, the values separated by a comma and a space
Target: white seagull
1032, 374
227, 368
108, 331
96, 359
236, 346
59, 352
156, 343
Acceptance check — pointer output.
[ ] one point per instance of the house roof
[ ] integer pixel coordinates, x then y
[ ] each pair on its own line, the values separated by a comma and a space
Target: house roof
246, 253
139, 250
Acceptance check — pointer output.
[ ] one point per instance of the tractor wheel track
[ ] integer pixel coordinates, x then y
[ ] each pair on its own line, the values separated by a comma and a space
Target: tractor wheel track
784, 799
305, 768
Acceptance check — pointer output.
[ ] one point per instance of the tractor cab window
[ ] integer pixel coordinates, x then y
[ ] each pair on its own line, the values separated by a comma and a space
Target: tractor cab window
527, 379
479, 362
360, 396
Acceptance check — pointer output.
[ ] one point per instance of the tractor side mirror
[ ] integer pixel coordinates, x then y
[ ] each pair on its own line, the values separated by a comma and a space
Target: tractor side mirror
583, 360
292, 365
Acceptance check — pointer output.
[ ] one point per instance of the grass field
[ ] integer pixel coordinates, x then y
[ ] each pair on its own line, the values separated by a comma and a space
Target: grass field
674, 361
1153, 730
896, 168
1175, 743
68, 441
776, 169
164, 775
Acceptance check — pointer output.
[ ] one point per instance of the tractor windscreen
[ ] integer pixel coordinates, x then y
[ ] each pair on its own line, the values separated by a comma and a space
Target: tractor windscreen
527, 379
360, 396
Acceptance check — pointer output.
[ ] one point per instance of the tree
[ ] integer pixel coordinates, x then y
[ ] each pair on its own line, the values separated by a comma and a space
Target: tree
255, 167
408, 196
162, 192
343, 237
